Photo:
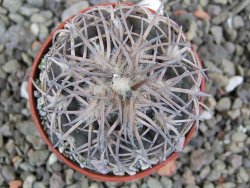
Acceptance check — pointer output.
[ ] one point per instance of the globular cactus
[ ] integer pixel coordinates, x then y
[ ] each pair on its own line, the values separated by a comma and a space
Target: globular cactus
119, 89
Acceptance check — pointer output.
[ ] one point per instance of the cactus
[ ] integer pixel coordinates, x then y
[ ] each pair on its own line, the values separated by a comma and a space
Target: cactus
119, 89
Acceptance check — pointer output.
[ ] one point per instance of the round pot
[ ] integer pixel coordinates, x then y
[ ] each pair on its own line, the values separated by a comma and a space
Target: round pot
93, 175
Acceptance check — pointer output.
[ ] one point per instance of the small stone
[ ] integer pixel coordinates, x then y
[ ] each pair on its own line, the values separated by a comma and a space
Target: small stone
223, 2
69, 176
1, 179
27, 128
237, 103
199, 158
191, 34
233, 114
29, 180
153, 182
73, 9
15, 184
36, 3
1, 141
230, 47
43, 32
12, 5
188, 177
242, 175
238, 137
34, 28
236, 161
38, 158
238, 22
28, 11
16, 18
217, 33
24, 90
56, 181
11, 66
213, 10
228, 67
224, 104
208, 185
1, 49
234, 82
219, 166
204, 172
39, 185
167, 183
8, 173
203, 3
38, 18
52, 159
93, 185
26, 58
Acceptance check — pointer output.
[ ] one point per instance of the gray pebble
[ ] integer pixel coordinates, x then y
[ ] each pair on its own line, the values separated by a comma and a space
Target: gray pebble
214, 10
238, 137
167, 182
12, 5
208, 185
1, 141
154, 183
8, 173
237, 103
11, 66
199, 158
27, 128
17, 18
235, 161
2, 27
217, 33
224, 104
238, 22
230, 47
69, 176
242, 175
1, 179
3, 10
228, 67
234, 113
29, 180
38, 158
56, 181
223, 2
38, 18
28, 11
204, 172
36, 3
73, 9
39, 185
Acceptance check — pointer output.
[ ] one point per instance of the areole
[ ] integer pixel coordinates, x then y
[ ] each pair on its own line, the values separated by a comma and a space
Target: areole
97, 176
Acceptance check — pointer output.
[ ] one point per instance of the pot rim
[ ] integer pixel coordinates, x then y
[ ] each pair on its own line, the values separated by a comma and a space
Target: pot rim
67, 161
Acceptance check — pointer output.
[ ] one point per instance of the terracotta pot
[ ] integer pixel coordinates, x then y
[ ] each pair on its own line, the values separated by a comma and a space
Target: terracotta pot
93, 175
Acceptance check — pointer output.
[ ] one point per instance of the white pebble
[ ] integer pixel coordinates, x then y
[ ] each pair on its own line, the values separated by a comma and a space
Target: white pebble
206, 115
52, 159
24, 90
35, 29
234, 82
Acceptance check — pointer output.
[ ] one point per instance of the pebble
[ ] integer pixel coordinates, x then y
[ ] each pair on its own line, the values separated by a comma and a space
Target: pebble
36, 3
24, 90
17, 18
93, 185
52, 159
234, 82
208, 185
235, 161
56, 181
199, 158
12, 5
73, 9
8, 173
238, 137
11, 66
228, 67
188, 177
38, 18
167, 183
234, 113
38, 157
213, 10
224, 104
29, 180
1, 141
34, 28
204, 172
69, 176
217, 33
223, 2
238, 22
39, 185
154, 182
242, 175
28, 11
237, 103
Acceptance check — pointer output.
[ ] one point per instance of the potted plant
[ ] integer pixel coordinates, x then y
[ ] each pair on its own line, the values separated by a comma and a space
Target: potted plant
116, 91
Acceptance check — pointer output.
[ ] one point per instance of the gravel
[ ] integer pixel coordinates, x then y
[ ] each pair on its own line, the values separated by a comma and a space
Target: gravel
218, 155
